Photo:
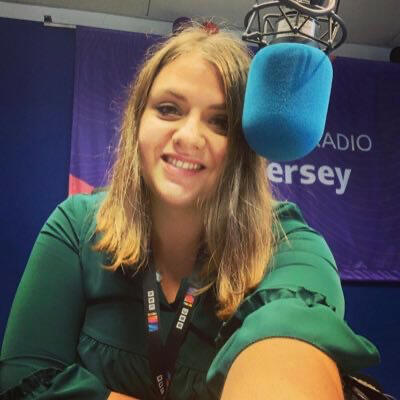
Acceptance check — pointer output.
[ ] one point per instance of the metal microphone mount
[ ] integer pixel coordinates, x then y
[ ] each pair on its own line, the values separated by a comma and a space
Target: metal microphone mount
301, 21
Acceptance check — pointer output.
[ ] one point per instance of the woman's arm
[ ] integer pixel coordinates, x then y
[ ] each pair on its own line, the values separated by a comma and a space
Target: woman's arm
39, 352
300, 299
281, 368
119, 396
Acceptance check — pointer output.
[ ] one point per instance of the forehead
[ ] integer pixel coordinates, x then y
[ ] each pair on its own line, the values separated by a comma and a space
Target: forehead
190, 70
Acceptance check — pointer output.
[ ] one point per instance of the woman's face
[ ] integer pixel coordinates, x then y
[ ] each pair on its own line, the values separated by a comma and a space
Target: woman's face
182, 133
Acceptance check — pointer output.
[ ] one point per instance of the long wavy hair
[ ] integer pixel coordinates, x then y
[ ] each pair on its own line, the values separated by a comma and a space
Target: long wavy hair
238, 217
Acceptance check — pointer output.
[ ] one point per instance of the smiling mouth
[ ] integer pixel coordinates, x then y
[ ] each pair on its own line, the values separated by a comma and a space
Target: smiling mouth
182, 164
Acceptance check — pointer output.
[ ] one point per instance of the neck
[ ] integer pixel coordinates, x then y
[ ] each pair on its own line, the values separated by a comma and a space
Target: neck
176, 237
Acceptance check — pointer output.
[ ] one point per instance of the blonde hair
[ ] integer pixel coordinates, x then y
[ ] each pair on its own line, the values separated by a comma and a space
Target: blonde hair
238, 238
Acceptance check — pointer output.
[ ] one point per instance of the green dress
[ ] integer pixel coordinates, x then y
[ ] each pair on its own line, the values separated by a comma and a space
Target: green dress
77, 331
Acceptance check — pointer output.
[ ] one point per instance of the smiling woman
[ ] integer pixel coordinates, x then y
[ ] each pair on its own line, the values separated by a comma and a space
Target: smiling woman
184, 279
185, 106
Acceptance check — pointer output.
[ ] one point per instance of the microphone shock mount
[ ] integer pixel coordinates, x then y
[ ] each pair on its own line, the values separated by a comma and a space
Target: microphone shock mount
301, 21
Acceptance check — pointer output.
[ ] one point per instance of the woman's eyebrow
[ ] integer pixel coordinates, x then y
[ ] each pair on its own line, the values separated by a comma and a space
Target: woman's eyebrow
172, 93
221, 106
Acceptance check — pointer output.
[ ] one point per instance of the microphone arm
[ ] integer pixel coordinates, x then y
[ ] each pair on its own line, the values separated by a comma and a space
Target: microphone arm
301, 21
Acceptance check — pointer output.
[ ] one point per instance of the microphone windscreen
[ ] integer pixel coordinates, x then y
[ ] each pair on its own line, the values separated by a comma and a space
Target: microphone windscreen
286, 100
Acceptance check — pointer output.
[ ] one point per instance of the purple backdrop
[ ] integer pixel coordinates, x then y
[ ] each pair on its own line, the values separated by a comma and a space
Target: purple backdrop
105, 63
348, 188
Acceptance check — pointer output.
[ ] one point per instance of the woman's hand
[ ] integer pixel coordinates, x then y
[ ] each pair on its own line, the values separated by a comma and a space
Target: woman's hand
119, 396
282, 368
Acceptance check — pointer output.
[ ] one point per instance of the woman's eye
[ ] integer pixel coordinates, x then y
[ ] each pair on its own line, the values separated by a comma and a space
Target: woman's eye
167, 109
221, 123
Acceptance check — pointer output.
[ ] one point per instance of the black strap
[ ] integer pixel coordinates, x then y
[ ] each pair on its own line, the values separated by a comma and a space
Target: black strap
363, 387
162, 358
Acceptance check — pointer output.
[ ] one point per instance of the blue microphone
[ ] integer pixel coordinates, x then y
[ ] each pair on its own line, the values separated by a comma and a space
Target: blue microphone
290, 78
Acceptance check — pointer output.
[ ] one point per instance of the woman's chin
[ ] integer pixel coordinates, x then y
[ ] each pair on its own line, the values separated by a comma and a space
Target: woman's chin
179, 202
178, 199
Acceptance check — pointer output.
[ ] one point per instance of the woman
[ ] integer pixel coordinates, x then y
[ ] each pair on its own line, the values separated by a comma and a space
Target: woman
184, 279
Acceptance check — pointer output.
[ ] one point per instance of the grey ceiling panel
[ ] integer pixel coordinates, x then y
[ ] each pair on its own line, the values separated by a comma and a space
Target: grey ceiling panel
369, 22
372, 22
131, 8
228, 12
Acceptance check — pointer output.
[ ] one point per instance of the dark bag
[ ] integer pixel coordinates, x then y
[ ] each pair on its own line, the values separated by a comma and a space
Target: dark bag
362, 387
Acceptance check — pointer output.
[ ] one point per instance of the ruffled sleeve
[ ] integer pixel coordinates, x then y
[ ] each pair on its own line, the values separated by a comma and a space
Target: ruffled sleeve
39, 353
301, 298
74, 382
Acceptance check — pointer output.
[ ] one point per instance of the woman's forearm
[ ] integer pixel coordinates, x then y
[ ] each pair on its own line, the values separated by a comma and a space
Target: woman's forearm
280, 368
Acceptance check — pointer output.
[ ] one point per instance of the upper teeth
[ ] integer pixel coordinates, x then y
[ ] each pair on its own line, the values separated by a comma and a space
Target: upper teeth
183, 164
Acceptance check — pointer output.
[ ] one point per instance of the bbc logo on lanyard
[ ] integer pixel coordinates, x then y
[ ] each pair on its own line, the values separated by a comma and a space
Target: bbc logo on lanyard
182, 318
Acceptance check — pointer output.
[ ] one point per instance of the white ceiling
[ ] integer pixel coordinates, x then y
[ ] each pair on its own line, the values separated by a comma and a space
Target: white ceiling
369, 22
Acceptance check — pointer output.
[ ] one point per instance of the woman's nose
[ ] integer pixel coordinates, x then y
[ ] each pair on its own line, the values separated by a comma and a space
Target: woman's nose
189, 136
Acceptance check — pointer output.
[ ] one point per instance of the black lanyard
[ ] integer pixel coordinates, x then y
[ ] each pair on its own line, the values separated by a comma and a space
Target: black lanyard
162, 358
